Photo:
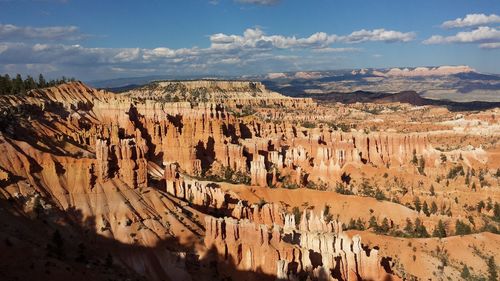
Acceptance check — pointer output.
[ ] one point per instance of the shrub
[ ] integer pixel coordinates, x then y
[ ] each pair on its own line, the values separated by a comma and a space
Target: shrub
414, 160
496, 212
289, 185
409, 227
420, 229
434, 207
341, 126
261, 202
490, 228
340, 188
37, 206
309, 125
421, 166
320, 186
384, 227
465, 274
462, 228
366, 189
379, 195
326, 213
492, 269
443, 158
372, 223
480, 206
425, 209
417, 204
356, 224
440, 230
455, 171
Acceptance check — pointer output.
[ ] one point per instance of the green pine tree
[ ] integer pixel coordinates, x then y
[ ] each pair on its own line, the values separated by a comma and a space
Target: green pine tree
434, 207
409, 227
440, 230
462, 228
417, 204
372, 223
420, 229
42, 83
465, 273
425, 209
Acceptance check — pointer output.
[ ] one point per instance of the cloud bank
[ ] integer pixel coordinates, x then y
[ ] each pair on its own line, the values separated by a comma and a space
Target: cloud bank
472, 20
13, 32
478, 31
481, 34
226, 53
259, 2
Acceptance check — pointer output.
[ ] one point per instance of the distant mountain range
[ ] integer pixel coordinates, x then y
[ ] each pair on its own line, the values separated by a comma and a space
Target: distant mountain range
370, 72
409, 97
455, 83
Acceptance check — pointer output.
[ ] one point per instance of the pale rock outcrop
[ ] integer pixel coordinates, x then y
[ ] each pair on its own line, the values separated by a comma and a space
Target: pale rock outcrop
324, 255
196, 193
124, 159
258, 171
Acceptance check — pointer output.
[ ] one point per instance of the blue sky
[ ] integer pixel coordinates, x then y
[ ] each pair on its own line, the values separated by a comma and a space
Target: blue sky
103, 39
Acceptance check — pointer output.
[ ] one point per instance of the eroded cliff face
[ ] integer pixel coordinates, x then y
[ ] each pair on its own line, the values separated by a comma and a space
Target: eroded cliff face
319, 250
144, 172
230, 93
205, 138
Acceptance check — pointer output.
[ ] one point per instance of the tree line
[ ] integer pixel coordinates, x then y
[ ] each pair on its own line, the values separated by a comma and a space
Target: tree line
20, 86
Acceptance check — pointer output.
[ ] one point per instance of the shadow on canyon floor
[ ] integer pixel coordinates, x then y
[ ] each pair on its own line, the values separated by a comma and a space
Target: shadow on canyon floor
63, 245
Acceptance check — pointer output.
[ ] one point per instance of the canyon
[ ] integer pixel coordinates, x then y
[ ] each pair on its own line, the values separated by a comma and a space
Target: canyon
228, 180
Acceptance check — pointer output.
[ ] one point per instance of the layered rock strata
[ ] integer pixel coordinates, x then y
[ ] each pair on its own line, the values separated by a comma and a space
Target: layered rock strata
318, 250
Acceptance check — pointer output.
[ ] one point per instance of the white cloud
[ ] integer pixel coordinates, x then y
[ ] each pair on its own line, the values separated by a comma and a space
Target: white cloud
3, 48
226, 54
495, 45
230, 61
259, 2
483, 34
335, 50
472, 20
257, 39
378, 35
13, 32
127, 55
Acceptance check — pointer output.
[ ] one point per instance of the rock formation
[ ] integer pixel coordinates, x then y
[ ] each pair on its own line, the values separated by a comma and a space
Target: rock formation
193, 191
319, 250
205, 180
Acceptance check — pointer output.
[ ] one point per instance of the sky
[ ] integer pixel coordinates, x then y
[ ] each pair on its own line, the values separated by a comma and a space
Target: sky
103, 39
